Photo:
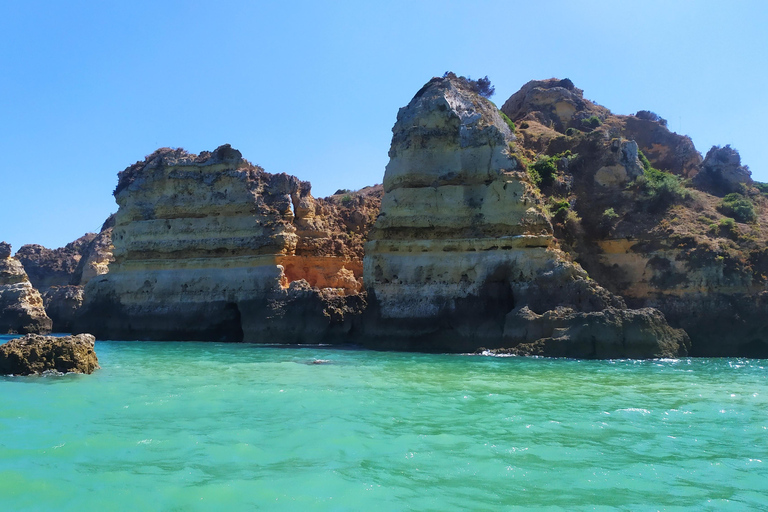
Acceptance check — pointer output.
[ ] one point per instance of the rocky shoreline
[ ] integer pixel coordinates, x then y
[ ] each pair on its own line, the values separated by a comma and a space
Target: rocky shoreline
550, 227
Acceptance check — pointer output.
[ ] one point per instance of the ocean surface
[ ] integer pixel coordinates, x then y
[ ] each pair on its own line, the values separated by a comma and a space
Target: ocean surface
208, 426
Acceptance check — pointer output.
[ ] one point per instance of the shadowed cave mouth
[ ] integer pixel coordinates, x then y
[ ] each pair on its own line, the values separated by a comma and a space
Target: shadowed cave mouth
231, 328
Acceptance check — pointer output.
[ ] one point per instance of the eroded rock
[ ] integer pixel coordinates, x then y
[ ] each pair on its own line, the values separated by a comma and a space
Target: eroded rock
462, 244
21, 306
35, 354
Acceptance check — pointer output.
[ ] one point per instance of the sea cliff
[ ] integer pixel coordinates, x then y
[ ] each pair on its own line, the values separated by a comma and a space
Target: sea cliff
212, 247
549, 227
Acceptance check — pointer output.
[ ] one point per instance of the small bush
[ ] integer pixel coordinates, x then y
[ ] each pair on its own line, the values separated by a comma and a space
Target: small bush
728, 227
610, 214
644, 160
523, 125
559, 209
481, 86
507, 120
651, 116
660, 188
737, 206
546, 168
570, 132
345, 200
762, 187
592, 121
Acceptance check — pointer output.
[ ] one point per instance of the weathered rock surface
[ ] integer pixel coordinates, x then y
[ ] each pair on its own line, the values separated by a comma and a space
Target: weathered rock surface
21, 307
206, 247
462, 254
62, 304
35, 354
658, 245
60, 274
722, 173
549, 110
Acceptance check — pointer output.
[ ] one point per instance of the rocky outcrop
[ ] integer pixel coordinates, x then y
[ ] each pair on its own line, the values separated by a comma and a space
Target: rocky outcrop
34, 354
53, 267
548, 111
645, 236
462, 254
211, 247
60, 274
722, 173
21, 307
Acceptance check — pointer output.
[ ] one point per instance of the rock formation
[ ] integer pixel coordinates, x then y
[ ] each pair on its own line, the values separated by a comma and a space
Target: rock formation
463, 256
35, 354
639, 231
21, 307
60, 274
211, 247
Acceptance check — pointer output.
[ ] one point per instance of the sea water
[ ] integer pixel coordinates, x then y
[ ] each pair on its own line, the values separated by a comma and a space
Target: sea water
208, 426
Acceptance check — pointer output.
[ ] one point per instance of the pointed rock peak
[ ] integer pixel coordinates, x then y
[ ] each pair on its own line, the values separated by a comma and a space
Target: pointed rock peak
5, 250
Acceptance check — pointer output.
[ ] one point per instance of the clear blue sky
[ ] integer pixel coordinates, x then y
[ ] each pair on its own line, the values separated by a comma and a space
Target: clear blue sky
313, 88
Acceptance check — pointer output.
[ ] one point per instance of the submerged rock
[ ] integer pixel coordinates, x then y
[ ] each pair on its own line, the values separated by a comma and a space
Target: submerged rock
21, 306
37, 354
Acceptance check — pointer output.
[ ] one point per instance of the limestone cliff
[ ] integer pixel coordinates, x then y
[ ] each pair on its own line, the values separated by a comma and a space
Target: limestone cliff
60, 274
212, 247
21, 307
462, 254
636, 205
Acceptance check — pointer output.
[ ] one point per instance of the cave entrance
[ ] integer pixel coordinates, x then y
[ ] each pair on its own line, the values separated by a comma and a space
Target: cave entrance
230, 329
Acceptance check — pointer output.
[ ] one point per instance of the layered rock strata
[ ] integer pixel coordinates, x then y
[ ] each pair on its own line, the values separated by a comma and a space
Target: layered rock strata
463, 256
643, 234
211, 247
34, 354
21, 307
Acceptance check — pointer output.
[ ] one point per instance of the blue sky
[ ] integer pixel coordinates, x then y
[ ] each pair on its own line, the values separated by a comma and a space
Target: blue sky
313, 88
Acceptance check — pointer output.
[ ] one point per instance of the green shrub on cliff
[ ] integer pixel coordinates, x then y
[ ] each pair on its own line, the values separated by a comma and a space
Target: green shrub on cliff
507, 120
558, 209
644, 160
544, 171
592, 121
659, 189
762, 187
481, 86
737, 206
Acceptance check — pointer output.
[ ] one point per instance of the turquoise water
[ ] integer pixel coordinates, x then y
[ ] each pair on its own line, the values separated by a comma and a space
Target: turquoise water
204, 426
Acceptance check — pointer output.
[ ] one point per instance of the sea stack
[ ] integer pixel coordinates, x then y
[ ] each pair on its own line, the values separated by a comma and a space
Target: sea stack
21, 306
211, 247
463, 256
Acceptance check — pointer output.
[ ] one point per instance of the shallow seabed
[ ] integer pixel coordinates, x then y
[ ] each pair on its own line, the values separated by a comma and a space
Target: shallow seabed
206, 426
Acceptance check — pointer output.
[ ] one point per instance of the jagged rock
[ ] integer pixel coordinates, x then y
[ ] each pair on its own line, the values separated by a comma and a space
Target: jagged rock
661, 246
608, 334
53, 267
35, 354
204, 244
60, 274
62, 304
21, 307
462, 245
722, 172
552, 108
